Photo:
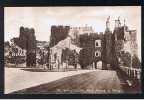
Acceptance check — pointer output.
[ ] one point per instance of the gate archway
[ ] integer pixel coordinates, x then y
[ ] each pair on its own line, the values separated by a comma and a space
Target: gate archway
99, 64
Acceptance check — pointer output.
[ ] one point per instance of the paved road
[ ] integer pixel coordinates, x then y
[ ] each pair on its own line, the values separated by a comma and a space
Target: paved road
98, 81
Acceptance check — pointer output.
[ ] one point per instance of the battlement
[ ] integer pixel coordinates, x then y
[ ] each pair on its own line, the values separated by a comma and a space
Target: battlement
82, 28
59, 27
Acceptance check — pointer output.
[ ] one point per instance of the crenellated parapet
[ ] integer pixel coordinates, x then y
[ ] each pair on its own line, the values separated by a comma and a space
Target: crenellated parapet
58, 33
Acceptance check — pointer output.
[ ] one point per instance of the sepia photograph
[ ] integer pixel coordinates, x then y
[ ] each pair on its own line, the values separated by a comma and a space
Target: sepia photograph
72, 50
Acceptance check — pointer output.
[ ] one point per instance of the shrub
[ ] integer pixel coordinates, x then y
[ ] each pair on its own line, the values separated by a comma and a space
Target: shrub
85, 57
135, 62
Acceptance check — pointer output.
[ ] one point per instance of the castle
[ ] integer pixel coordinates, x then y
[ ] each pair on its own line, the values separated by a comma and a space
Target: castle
104, 47
103, 50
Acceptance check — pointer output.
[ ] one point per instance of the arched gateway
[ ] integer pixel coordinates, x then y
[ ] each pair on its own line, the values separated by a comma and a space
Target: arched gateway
99, 64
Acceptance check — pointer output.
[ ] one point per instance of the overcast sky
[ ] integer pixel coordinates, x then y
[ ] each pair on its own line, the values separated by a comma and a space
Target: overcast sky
41, 19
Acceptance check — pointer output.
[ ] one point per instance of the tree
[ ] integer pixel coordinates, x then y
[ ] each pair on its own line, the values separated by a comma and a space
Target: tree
85, 57
42, 58
15, 51
7, 43
48, 58
126, 58
136, 62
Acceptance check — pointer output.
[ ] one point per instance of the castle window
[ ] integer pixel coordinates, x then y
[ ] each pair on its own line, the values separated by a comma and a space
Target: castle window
97, 53
97, 43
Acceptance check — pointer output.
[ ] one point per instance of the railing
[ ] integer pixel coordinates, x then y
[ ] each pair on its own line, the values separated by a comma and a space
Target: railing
132, 72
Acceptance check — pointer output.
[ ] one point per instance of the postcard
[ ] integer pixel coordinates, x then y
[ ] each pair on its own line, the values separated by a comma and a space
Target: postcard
72, 50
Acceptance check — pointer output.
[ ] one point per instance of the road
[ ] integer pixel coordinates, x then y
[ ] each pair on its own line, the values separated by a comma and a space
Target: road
21, 78
97, 81
32, 81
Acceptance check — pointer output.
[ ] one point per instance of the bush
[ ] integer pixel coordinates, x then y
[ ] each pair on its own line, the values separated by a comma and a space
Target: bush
70, 55
135, 62
126, 58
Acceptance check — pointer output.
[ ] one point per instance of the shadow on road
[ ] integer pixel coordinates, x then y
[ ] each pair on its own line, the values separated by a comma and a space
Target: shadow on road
47, 70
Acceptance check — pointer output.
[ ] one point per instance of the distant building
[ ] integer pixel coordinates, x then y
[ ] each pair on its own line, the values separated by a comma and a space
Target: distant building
14, 53
16, 50
42, 44
81, 30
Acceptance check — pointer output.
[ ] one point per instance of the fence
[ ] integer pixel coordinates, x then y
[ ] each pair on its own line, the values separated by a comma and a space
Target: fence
132, 72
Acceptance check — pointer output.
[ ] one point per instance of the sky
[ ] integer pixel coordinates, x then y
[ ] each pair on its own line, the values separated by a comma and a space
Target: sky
41, 19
